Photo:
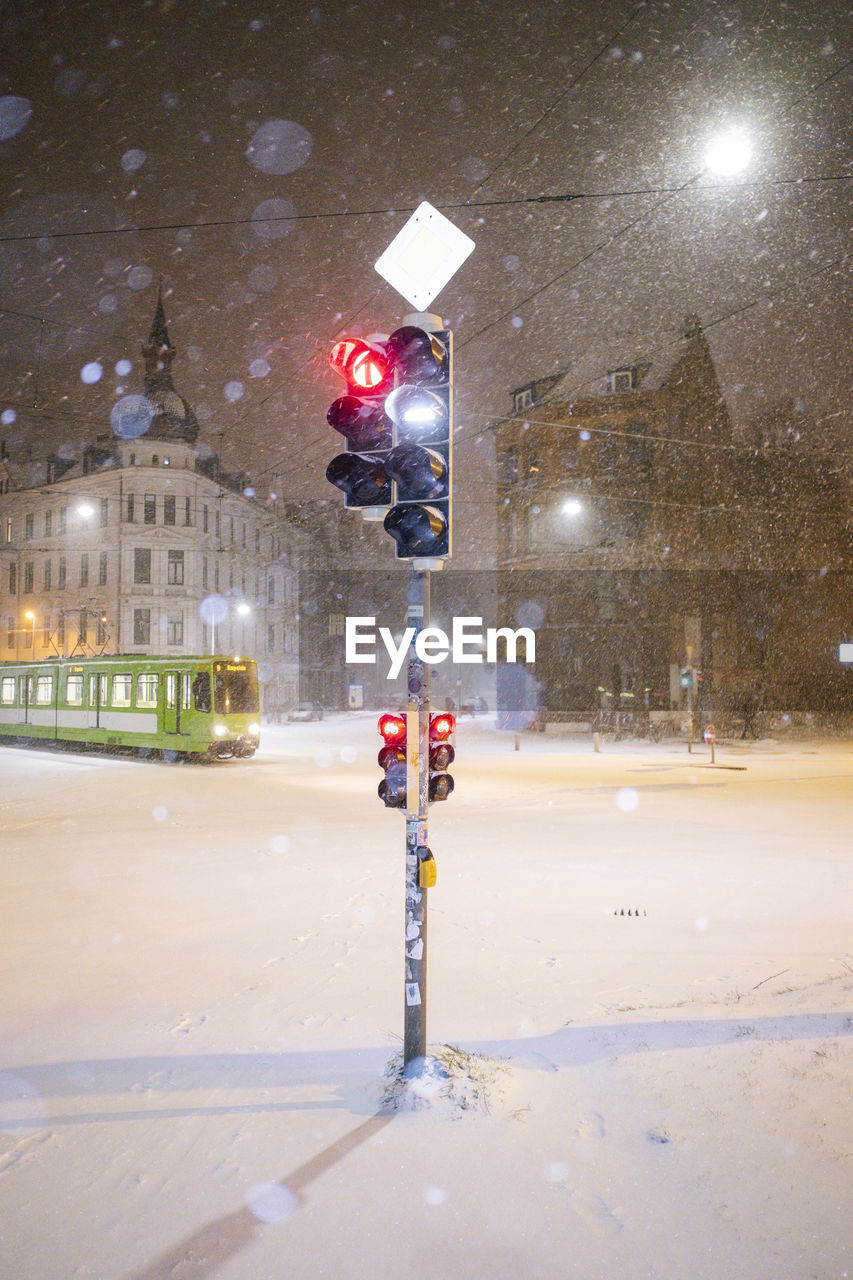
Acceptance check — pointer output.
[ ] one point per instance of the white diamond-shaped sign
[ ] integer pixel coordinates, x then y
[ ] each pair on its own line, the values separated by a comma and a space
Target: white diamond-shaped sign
424, 256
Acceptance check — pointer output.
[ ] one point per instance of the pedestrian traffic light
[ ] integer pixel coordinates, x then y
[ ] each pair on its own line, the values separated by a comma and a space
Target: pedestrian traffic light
441, 755
392, 759
361, 419
420, 407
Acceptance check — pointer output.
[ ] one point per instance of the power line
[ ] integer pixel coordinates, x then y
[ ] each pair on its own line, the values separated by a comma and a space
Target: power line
566, 197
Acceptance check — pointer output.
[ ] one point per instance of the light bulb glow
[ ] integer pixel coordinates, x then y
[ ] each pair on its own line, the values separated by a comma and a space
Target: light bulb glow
728, 154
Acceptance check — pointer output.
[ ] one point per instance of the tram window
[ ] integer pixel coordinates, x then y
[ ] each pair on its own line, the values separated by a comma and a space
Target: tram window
44, 690
146, 689
122, 685
74, 690
201, 691
170, 690
7, 690
236, 691
186, 687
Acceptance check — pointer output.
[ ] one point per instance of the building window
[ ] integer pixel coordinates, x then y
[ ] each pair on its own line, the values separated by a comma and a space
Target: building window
205, 518
270, 639
216, 576
129, 509
141, 564
48, 523
142, 626
257, 540
522, 399
63, 519
29, 527
105, 512
102, 569
509, 465
218, 526
169, 509
175, 629
175, 569
188, 511
13, 579
149, 509
619, 380
10, 634
102, 631
47, 575
270, 590
204, 573
29, 576
60, 575
84, 569
60, 633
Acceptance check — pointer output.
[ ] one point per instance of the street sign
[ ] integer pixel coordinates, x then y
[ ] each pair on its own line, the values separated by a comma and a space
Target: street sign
710, 735
424, 256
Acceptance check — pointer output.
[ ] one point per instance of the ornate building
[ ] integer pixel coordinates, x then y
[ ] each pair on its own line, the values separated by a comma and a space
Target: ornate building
142, 545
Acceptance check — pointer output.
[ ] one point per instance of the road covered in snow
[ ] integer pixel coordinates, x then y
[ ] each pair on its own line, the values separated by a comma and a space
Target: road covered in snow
640, 984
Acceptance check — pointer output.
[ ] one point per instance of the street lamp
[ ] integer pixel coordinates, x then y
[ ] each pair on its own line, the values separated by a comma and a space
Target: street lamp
31, 618
729, 153
86, 510
572, 507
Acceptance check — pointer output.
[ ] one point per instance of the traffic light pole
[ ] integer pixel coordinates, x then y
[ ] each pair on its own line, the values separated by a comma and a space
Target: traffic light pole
417, 766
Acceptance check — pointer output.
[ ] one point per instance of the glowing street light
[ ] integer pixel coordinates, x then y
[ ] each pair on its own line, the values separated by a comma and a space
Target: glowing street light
31, 618
86, 510
572, 507
728, 154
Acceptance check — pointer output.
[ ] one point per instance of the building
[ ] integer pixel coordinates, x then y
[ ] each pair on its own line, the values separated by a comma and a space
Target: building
142, 545
637, 534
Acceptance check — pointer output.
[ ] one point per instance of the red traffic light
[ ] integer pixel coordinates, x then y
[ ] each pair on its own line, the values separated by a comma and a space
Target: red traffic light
393, 729
364, 365
441, 726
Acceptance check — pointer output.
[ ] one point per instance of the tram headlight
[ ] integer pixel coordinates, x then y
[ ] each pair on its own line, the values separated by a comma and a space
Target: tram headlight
220, 730
254, 730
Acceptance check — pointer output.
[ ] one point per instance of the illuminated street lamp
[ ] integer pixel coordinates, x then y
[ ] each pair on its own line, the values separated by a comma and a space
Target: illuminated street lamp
86, 510
31, 618
729, 153
572, 507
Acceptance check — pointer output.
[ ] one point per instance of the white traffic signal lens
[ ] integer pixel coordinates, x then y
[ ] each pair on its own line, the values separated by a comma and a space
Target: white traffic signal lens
417, 410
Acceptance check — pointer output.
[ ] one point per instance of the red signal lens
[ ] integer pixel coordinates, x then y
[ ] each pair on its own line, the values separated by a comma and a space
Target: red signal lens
362, 365
441, 726
393, 729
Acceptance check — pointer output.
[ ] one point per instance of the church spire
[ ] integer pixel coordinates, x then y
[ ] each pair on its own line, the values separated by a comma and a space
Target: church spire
159, 335
158, 351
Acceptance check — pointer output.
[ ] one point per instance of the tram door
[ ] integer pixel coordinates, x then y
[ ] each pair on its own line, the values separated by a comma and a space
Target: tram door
99, 694
172, 703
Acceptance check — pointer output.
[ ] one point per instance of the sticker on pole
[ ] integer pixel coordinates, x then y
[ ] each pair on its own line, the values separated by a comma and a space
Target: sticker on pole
424, 256
710, 735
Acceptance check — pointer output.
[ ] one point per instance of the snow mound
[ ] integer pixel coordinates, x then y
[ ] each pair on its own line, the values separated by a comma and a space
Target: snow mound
448, 1081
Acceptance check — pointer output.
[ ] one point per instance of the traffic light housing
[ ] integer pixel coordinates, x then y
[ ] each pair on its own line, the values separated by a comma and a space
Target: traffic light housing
421, 409
392, 760
441, 755
360, 417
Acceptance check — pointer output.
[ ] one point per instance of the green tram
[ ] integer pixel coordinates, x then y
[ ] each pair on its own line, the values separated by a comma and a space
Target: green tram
203, 708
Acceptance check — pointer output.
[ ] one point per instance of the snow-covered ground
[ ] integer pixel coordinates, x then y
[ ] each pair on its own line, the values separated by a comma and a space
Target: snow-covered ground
203, 986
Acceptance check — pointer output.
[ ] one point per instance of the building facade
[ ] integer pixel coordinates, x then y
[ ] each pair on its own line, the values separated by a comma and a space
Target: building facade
638, 535
142, 545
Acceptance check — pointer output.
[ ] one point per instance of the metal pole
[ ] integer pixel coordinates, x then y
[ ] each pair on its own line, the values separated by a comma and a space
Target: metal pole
417, 792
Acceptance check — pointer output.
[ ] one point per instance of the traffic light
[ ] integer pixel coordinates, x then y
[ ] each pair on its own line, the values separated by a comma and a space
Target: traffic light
441, 755
392, 759
361, 419
420, 407
685, 678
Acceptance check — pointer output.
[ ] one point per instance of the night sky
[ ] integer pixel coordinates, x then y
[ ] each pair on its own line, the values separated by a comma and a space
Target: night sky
148, 141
